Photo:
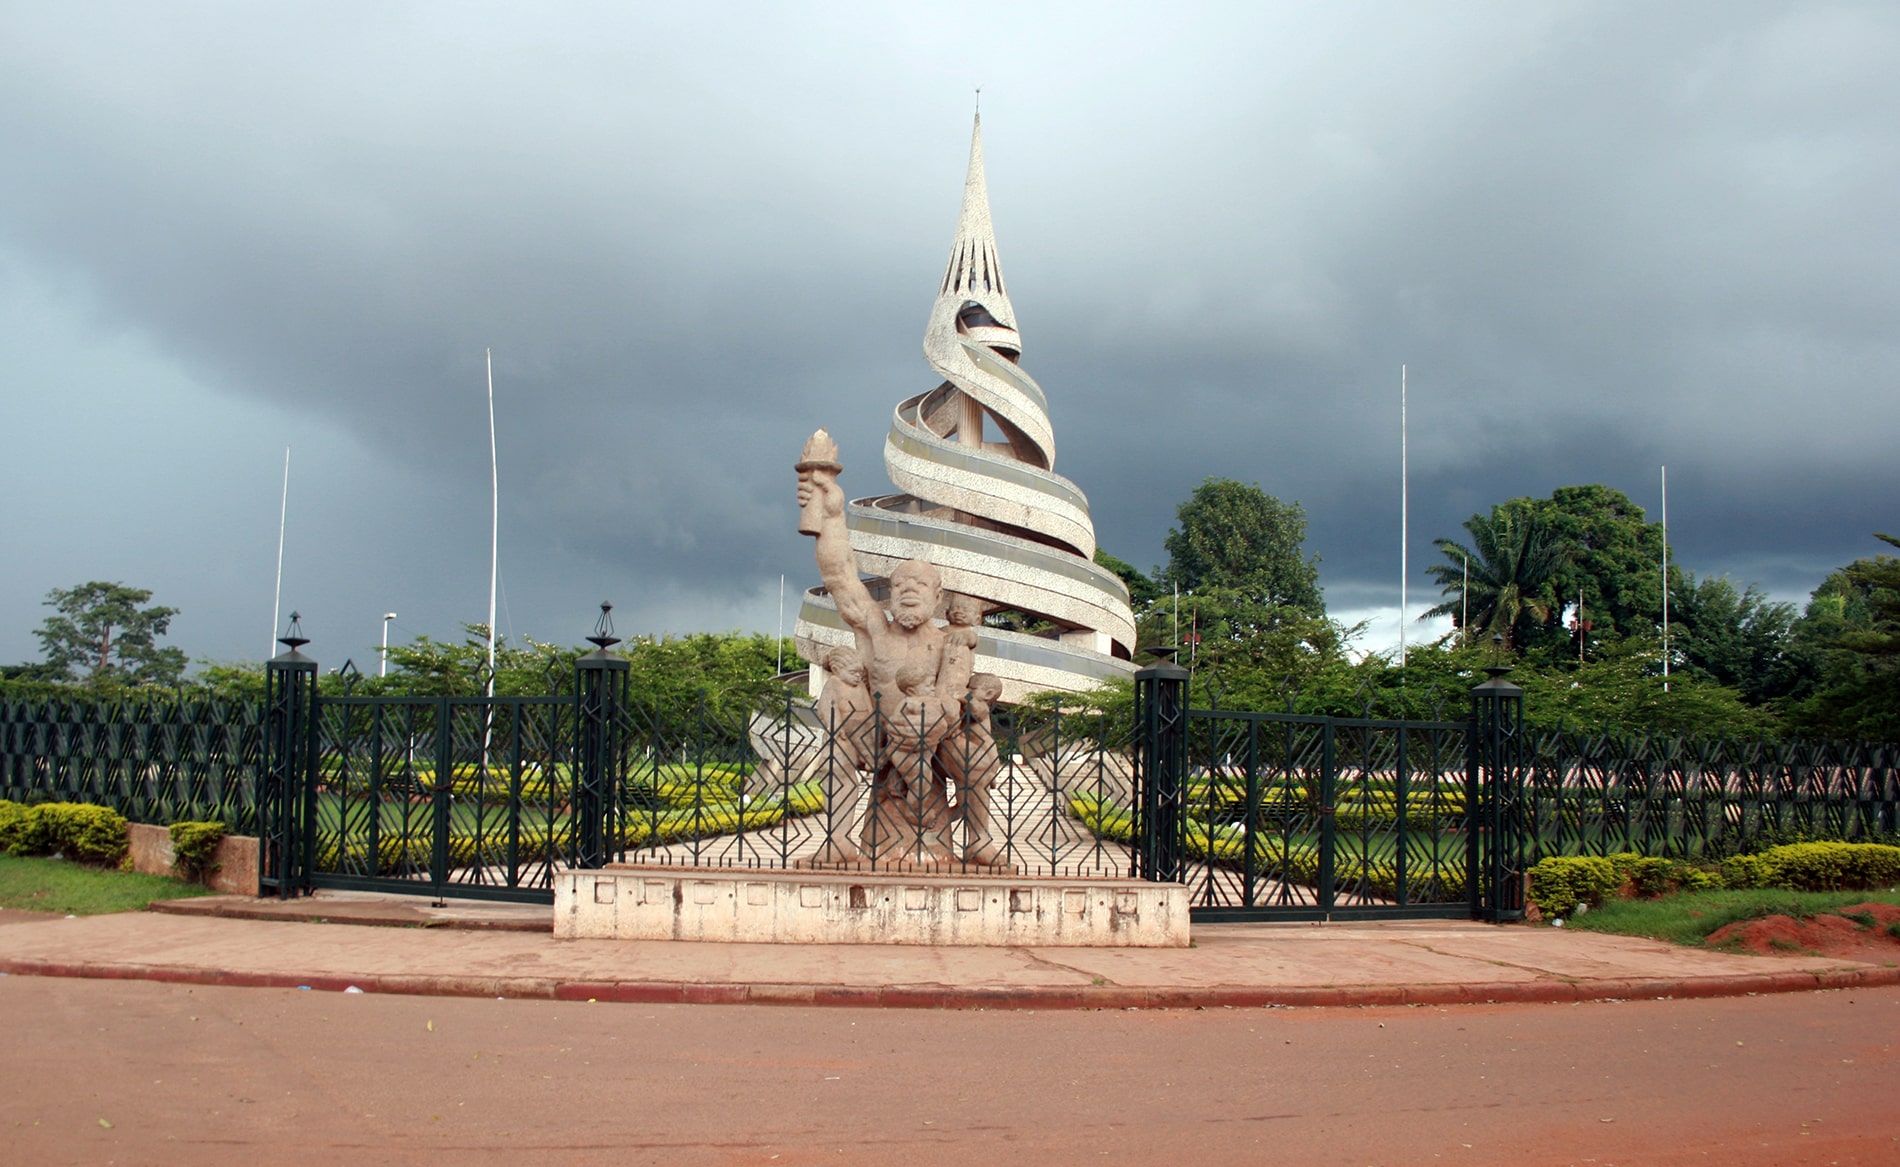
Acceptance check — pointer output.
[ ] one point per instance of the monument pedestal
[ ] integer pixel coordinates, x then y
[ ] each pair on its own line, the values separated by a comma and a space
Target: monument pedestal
633, 902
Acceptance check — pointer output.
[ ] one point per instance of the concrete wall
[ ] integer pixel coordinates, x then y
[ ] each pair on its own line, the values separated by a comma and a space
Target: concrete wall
815, 907
236, 858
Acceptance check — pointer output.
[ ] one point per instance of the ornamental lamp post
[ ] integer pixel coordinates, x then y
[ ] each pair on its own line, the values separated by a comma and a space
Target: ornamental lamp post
384, 670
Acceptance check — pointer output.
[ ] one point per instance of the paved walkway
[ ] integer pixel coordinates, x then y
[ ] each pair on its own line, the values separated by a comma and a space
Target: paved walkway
402, 945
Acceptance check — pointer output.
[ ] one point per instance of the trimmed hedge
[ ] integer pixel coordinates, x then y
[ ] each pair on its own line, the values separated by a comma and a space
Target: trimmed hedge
1226, 846
1817, 867
78, 830
399, 855
1362, 806
671, 785
1560, 883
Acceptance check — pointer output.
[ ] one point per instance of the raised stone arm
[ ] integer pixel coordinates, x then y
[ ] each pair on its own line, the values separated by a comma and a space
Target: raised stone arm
821, 513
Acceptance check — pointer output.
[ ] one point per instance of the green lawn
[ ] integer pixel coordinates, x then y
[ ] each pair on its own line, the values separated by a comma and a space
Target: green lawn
74, 889
1688, 917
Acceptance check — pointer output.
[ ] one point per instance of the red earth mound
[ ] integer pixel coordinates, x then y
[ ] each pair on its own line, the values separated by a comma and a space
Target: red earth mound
1834, 934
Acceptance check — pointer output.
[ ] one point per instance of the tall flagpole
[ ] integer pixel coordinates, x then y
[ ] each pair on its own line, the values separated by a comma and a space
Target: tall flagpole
1665, 575
494, 518
283, 512
1405, 514
779, 641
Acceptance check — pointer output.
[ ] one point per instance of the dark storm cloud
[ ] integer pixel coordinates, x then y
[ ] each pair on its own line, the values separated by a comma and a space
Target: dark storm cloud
1602, 237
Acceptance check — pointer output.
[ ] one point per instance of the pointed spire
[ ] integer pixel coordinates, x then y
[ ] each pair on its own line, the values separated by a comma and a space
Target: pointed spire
973, 271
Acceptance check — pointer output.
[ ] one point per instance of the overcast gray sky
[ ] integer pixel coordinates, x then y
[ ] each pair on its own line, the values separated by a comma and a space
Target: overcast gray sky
1604, 237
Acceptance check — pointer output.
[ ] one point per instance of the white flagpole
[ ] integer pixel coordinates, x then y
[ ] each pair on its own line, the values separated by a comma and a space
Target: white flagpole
1405, 514
779, 642
283, 512
1665, 575
494, 518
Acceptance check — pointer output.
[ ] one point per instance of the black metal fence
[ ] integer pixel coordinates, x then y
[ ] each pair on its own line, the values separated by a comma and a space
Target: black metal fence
1702, 798
1262, 815
157, 761
1276, 815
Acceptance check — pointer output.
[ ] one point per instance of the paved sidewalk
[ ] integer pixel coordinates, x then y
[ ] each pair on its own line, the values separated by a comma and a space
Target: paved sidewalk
470, 949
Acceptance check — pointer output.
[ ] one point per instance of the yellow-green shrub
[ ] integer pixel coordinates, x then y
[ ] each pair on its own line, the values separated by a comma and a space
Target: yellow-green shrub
1560, 882
1273, 856
78, 830
705, 819
13, 823
193, 845
1817, 867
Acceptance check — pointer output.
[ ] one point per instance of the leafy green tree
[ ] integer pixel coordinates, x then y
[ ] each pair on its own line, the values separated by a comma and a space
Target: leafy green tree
1598, 548
108, 632
1879, 580
33, 682
1239, 539
1434, 685
243, 680
1738, 639
1615, 562
1621, 688
426, 667
1848, 636
725, 675
1249, 655
1142, 590
1504, 578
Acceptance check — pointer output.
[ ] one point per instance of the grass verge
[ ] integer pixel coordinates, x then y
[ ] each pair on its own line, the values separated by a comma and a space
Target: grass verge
55, 885
1688, 917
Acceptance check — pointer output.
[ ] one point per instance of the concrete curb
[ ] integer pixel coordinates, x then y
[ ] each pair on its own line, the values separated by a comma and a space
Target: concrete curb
1028, 997
368, 915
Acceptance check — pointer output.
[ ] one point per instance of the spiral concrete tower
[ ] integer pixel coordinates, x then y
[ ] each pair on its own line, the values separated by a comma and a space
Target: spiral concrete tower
974, 460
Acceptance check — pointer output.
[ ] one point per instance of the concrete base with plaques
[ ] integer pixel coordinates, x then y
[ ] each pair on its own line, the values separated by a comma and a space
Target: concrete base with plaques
630, 902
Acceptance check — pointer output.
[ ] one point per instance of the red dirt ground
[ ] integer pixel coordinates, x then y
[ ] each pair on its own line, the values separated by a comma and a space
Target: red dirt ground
1832, 934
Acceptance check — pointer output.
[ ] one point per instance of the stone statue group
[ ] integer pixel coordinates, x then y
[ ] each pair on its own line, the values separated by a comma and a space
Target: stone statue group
905, 707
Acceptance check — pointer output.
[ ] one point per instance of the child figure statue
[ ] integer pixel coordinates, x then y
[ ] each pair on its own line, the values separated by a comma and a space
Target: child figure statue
969, 759
848, 719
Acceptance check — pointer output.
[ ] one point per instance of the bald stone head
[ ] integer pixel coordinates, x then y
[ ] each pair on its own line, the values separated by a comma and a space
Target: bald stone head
916, 590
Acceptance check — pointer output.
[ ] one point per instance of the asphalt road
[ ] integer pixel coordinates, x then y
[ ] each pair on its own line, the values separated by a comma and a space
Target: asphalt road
140, 1073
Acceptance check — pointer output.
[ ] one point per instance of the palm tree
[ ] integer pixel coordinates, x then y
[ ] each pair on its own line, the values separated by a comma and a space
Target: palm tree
1502, 578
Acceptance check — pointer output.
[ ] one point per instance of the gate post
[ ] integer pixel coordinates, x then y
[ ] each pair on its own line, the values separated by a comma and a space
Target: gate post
1494, 792
600, 695
1161, 696
288, 790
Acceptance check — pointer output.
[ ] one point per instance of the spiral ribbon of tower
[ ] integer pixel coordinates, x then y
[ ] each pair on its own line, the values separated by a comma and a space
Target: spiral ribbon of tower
974, 462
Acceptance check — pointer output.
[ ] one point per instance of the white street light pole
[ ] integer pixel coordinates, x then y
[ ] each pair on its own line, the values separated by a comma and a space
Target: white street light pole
384, 670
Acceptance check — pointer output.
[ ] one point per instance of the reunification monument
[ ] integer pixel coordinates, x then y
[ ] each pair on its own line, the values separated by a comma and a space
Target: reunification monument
906, 671
979, 499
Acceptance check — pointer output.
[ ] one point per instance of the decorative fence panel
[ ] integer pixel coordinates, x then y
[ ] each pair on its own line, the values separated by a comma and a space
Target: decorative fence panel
1298, 817
1689, 798
157, 761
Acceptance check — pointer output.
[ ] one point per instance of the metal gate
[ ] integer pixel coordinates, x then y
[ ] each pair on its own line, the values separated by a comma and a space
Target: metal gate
461, 795
1281, 816
475, 797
